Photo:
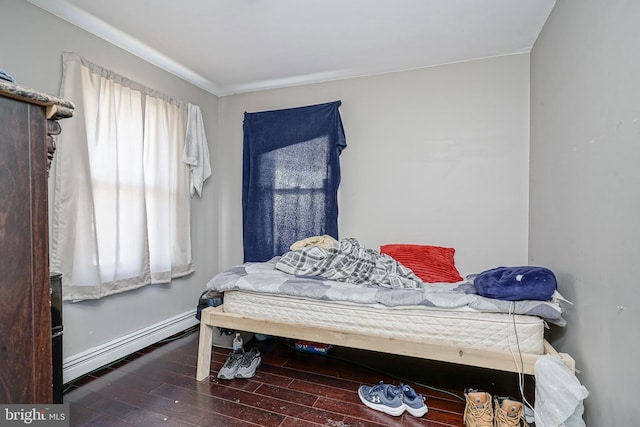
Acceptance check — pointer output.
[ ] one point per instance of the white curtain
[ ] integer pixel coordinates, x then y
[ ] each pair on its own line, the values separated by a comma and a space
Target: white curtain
121, 216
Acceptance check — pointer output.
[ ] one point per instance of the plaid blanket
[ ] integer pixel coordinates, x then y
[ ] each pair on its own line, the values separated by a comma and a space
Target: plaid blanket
348, 261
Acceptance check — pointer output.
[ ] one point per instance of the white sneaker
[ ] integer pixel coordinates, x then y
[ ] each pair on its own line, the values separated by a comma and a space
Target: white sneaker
249, 363
230, 367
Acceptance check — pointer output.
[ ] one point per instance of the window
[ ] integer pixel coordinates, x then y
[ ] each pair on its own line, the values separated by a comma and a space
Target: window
121, 216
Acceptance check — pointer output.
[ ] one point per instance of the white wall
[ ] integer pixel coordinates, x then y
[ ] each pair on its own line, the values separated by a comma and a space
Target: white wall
585, 192
31, 48
434, 156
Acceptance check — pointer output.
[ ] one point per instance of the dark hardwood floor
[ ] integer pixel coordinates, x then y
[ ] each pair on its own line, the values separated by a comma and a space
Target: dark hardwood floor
157, 387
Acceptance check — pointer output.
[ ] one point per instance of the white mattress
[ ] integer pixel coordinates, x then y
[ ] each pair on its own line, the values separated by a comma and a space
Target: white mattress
463, 327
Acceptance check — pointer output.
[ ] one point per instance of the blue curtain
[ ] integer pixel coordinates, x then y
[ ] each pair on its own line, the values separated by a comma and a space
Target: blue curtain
291, 173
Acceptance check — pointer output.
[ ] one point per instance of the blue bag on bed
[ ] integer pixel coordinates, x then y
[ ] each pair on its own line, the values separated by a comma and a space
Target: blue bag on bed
516, 283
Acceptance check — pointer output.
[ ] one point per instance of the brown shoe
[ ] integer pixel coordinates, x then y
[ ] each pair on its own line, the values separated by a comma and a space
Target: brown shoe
508, 413
479, 410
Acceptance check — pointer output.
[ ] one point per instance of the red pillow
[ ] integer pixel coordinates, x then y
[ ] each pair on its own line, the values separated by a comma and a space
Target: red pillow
432, 264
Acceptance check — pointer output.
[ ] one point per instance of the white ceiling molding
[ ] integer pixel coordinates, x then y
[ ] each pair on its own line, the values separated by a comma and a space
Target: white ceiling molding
227, 47
80, 18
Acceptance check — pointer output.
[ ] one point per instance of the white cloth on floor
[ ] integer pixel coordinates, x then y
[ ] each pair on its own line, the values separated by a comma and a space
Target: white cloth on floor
196, 150
559, 394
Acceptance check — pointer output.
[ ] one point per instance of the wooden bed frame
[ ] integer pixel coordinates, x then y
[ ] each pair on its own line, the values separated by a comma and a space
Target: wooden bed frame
212, 317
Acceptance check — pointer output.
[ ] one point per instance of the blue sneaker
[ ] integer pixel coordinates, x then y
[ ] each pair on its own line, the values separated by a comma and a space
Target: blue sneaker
413, 402
382, 397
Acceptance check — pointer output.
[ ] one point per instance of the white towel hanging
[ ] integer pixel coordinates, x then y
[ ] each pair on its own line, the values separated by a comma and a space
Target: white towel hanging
196, 150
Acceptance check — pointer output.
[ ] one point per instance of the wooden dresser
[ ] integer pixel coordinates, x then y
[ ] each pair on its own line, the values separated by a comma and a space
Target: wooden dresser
28, 122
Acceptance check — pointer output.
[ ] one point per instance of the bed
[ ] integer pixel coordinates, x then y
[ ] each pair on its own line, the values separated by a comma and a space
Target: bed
446, 322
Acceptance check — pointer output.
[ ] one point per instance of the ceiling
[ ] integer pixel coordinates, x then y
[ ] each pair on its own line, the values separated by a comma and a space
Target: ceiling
234, 46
